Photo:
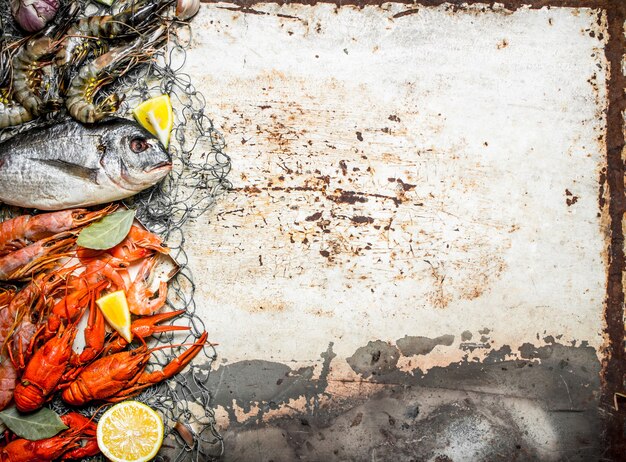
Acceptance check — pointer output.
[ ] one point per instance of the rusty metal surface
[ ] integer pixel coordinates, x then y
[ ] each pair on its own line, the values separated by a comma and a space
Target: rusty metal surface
420, 232
613, 362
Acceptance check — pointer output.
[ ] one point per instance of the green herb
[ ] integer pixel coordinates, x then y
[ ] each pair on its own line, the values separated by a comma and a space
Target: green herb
107, 232
45, 423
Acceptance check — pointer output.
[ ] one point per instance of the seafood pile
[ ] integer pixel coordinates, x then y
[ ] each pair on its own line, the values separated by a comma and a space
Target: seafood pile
75, 443
69, 69
69, 63
60, 284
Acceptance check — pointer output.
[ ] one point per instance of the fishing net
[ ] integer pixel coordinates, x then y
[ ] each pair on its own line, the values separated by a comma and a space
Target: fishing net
198, 178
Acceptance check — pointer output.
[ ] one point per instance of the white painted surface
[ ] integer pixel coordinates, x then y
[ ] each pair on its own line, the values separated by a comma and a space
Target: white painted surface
490, 117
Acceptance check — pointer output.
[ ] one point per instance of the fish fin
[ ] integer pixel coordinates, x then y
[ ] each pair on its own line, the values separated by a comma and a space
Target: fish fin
69, 168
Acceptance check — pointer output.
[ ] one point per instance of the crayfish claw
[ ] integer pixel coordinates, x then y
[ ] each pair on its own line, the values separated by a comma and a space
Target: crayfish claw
176, 365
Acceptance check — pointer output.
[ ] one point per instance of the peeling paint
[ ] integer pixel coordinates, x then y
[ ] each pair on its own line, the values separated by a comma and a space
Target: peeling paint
375, 359
536, 409
410, 346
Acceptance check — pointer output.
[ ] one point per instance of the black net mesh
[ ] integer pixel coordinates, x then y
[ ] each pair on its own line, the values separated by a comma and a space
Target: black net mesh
198, 177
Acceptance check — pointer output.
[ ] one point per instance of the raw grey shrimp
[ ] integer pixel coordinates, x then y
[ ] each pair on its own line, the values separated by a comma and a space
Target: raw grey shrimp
94, 75
80, 98
27, 76
5, 59
12, 113
30, 71
87, 33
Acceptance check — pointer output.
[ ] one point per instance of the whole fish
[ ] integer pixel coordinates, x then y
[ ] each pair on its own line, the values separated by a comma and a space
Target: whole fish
73, 165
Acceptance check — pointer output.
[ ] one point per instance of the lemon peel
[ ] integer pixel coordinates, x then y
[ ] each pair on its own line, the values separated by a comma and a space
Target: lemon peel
114, 307
130, 431
156, 116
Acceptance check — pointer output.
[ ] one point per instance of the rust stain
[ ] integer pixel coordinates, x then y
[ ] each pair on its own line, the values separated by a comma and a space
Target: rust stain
266, 306
613, 367
314, 217
251, 189
322, 313
403, 185
510, 5
361, 220
248, 10
335, 247
601, 189
347, 197
357, 420
353, 197
406, 13
485, 271
440, 296
344, 167
570, 199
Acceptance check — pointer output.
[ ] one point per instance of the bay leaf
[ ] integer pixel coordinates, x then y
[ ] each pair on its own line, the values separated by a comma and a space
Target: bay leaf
107, 232
44, 423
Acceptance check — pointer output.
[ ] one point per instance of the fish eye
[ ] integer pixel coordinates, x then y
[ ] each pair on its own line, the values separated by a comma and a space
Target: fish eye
138, 145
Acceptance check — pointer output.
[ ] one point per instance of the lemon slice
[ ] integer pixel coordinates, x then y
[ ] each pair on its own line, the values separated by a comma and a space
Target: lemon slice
130, 431
156, 116
114, 307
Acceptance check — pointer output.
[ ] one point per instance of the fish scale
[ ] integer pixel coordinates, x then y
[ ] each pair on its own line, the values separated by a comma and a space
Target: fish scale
74, 165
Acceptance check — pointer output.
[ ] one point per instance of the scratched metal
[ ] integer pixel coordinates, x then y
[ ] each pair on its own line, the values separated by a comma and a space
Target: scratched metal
401, 177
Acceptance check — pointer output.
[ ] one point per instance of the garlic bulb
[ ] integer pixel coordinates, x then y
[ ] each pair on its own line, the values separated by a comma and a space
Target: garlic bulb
33, 15
186, 9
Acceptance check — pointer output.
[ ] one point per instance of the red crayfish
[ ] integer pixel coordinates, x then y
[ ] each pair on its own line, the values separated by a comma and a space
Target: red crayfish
65, 446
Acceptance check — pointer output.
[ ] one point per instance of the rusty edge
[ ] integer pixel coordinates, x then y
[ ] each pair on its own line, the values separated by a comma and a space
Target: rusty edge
245, 5
613, 368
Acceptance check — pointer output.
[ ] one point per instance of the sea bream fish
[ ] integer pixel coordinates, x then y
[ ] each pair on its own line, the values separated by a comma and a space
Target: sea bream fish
73, 165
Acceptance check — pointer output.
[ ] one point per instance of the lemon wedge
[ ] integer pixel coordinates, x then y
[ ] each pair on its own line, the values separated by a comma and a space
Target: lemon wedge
156, 116
130, 431
114, 307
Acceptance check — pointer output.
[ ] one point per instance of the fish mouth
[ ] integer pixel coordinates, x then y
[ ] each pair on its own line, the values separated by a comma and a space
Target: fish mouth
165, 165
149, 176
